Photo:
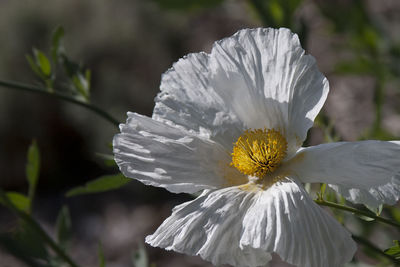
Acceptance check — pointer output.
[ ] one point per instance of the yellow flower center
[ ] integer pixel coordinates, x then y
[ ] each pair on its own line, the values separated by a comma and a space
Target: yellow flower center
259, 152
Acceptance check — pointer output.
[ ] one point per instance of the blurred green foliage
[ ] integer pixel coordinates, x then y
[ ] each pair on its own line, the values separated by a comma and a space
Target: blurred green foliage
185, 5
140, 258
101, 184
102, 261
395, 250
74, 79
63, 227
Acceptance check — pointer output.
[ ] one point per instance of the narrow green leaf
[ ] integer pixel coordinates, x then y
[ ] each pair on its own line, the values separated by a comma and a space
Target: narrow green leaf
32, 169
88, 77
63, 227
81, 85
323, 189
365, 218
57, 47
107, 159
19, 201
43, 62
374, 210
102, 184
140, 258
102, 262
394, 251
34, 67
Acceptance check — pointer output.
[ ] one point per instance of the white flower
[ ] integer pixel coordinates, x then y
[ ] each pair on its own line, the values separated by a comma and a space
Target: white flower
232, 123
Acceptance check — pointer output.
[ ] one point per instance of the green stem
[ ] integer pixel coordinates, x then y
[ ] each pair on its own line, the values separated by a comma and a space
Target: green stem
28, 219
375, 249
64, 97
356, 211
38, 229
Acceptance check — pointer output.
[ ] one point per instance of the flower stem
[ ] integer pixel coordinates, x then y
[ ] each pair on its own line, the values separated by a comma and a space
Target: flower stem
60, 252
61, 96
375, 249
356, 211
37, 228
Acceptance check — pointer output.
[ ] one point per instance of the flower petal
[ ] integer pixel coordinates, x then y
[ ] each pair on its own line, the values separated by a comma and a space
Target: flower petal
267, 80
284, 219
188, 99
254, 79
366, 172
161, 155
242, 226
210, 226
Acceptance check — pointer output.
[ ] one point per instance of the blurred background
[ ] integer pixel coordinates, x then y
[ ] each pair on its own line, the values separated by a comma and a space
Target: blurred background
127, 45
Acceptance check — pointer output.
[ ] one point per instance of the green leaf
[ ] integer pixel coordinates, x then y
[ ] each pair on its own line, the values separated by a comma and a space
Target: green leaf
42, 62
395, 213
31, 242
18, 200
107, 159
88, 77
369, 37
323, 189
394, 251
102, 262
9, 243
57, 47
187, 4
32, 169
276, 12
63, 227
377, 211
365, 218
102, 184
34, 67
139, 257
81, 85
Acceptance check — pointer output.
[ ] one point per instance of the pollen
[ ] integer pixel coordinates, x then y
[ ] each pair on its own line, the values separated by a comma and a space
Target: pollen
259, 152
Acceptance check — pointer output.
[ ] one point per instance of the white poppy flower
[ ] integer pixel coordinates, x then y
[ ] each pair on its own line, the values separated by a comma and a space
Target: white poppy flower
231, 123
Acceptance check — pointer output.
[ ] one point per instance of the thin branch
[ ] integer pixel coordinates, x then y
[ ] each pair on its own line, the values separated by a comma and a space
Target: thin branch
38, 229
356, 211
375, 249
64, 97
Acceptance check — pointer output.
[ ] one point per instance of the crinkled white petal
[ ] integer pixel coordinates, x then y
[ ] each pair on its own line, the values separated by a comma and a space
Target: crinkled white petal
284, 219
254, 79
210, 226
165, 156
366, 172
187, 99
242, 226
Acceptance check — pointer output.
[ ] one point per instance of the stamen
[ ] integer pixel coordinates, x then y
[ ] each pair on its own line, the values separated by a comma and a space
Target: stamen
259, 152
